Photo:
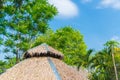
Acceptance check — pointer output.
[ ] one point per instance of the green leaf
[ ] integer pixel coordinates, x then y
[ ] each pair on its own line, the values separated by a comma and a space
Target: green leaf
1, 41
9, 43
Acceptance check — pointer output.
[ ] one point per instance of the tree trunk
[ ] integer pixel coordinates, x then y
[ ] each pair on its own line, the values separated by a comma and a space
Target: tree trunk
113, 59
17, 51
17, 58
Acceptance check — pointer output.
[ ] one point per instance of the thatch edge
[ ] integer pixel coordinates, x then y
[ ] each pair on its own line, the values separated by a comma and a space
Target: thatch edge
48, 54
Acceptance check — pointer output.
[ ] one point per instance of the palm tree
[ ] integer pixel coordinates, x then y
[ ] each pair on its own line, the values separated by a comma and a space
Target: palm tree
84, 60
101, 66
110, 47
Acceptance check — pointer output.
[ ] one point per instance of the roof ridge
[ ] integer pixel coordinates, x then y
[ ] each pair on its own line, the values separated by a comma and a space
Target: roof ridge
46, 46
54, 69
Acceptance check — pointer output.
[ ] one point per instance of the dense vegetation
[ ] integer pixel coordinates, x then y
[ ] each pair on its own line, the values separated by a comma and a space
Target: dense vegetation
21, 22
24, 24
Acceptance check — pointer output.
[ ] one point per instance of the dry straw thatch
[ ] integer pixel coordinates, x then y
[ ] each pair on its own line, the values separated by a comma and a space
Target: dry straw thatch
43, 50
39, 68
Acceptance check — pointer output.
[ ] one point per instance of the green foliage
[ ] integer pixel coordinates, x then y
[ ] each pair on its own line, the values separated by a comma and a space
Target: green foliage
22, 21
1, 40
4, 65
85, 60
1, 30
111, 42
102, 66
67, 40
10, 62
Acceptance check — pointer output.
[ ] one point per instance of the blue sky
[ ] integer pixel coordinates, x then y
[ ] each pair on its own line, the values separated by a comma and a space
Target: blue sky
97, 20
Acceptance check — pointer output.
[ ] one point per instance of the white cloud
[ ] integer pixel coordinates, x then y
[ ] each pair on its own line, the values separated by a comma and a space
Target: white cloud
115, 4
66, 8
116, 38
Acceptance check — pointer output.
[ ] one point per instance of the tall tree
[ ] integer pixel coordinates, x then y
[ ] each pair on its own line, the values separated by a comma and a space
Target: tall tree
101, 66
111, 45
21, 21
68, 40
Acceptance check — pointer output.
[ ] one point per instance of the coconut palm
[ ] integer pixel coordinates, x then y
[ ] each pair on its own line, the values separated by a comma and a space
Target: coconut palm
101, 66
103, 63
110, 47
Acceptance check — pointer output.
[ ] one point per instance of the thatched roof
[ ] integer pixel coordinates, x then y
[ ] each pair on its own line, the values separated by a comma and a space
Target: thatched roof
40, 69
47, 67
43, 50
